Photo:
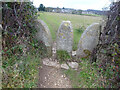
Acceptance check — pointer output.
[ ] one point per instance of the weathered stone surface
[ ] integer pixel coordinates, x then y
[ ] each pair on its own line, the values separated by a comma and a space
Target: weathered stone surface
0, 57
54, 51
48, 62
0, 30
89, 40
73, 65
64, 66
73, 53
44, 35
0, 37
0, 27
51, 63
65, 37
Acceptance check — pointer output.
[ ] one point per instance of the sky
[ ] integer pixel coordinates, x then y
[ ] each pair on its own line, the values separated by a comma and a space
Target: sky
76, 4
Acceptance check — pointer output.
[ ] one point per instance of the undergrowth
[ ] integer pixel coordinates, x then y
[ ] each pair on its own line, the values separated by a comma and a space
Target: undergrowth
77, 33
63, 56
21, 73
21, 52
87, 76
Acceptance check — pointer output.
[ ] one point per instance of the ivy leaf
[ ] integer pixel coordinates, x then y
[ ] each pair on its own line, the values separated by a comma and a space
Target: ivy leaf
104, 51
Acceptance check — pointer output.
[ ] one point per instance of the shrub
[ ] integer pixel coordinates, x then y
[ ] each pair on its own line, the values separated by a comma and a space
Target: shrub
18, 20
107, 52
20, 49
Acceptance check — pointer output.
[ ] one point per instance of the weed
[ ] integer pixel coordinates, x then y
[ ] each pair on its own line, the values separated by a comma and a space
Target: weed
87, 77
63, 56
20, 73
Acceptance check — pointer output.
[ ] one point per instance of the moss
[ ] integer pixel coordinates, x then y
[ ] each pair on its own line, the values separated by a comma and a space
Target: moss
87, 52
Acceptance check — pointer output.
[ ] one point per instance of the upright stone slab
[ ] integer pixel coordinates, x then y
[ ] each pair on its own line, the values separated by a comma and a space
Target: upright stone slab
88, 41
0, 27
65, 37
0, 56
1, 37
44, 35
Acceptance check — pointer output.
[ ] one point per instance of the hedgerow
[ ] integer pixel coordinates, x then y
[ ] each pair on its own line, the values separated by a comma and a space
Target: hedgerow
107, 52
21, 51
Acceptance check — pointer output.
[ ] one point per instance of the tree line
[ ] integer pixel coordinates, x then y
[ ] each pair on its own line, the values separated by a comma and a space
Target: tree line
41, 7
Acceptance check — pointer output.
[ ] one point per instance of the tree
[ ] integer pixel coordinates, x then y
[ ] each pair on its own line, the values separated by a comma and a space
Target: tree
79, 12
63, 8
44, 8
41, 7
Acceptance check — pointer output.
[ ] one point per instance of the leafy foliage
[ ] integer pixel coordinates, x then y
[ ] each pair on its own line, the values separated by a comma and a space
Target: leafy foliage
41, 7
107, 53
86, 76
18, 26
20, 50
81, 29
63, 56
21, 73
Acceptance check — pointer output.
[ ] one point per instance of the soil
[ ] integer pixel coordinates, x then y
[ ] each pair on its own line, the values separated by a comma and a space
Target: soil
50, 77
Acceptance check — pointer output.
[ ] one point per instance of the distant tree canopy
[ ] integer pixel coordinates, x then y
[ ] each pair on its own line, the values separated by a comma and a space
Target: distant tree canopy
41, 7
63, 8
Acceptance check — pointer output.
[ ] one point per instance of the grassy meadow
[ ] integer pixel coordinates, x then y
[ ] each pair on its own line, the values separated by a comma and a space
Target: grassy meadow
79, 23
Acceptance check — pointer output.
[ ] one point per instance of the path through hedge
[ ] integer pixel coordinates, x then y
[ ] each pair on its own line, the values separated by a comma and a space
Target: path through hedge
51, 77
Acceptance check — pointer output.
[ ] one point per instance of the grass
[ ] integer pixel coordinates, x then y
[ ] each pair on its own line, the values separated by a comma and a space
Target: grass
63, 56
91, 15
87, 77
22, 73
53, 20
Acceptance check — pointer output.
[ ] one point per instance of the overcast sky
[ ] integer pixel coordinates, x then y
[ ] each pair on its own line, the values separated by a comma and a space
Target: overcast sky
76, 4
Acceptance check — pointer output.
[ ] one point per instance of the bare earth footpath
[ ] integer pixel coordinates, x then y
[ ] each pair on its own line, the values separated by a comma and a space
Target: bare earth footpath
51, 77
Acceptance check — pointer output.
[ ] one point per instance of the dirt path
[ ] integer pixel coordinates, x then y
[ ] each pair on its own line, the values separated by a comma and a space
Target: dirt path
51, 77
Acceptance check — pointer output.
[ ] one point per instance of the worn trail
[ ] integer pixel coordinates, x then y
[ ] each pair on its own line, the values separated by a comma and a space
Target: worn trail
51, 77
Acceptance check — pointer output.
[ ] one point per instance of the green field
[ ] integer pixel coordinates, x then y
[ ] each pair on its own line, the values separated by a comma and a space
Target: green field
79, 23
